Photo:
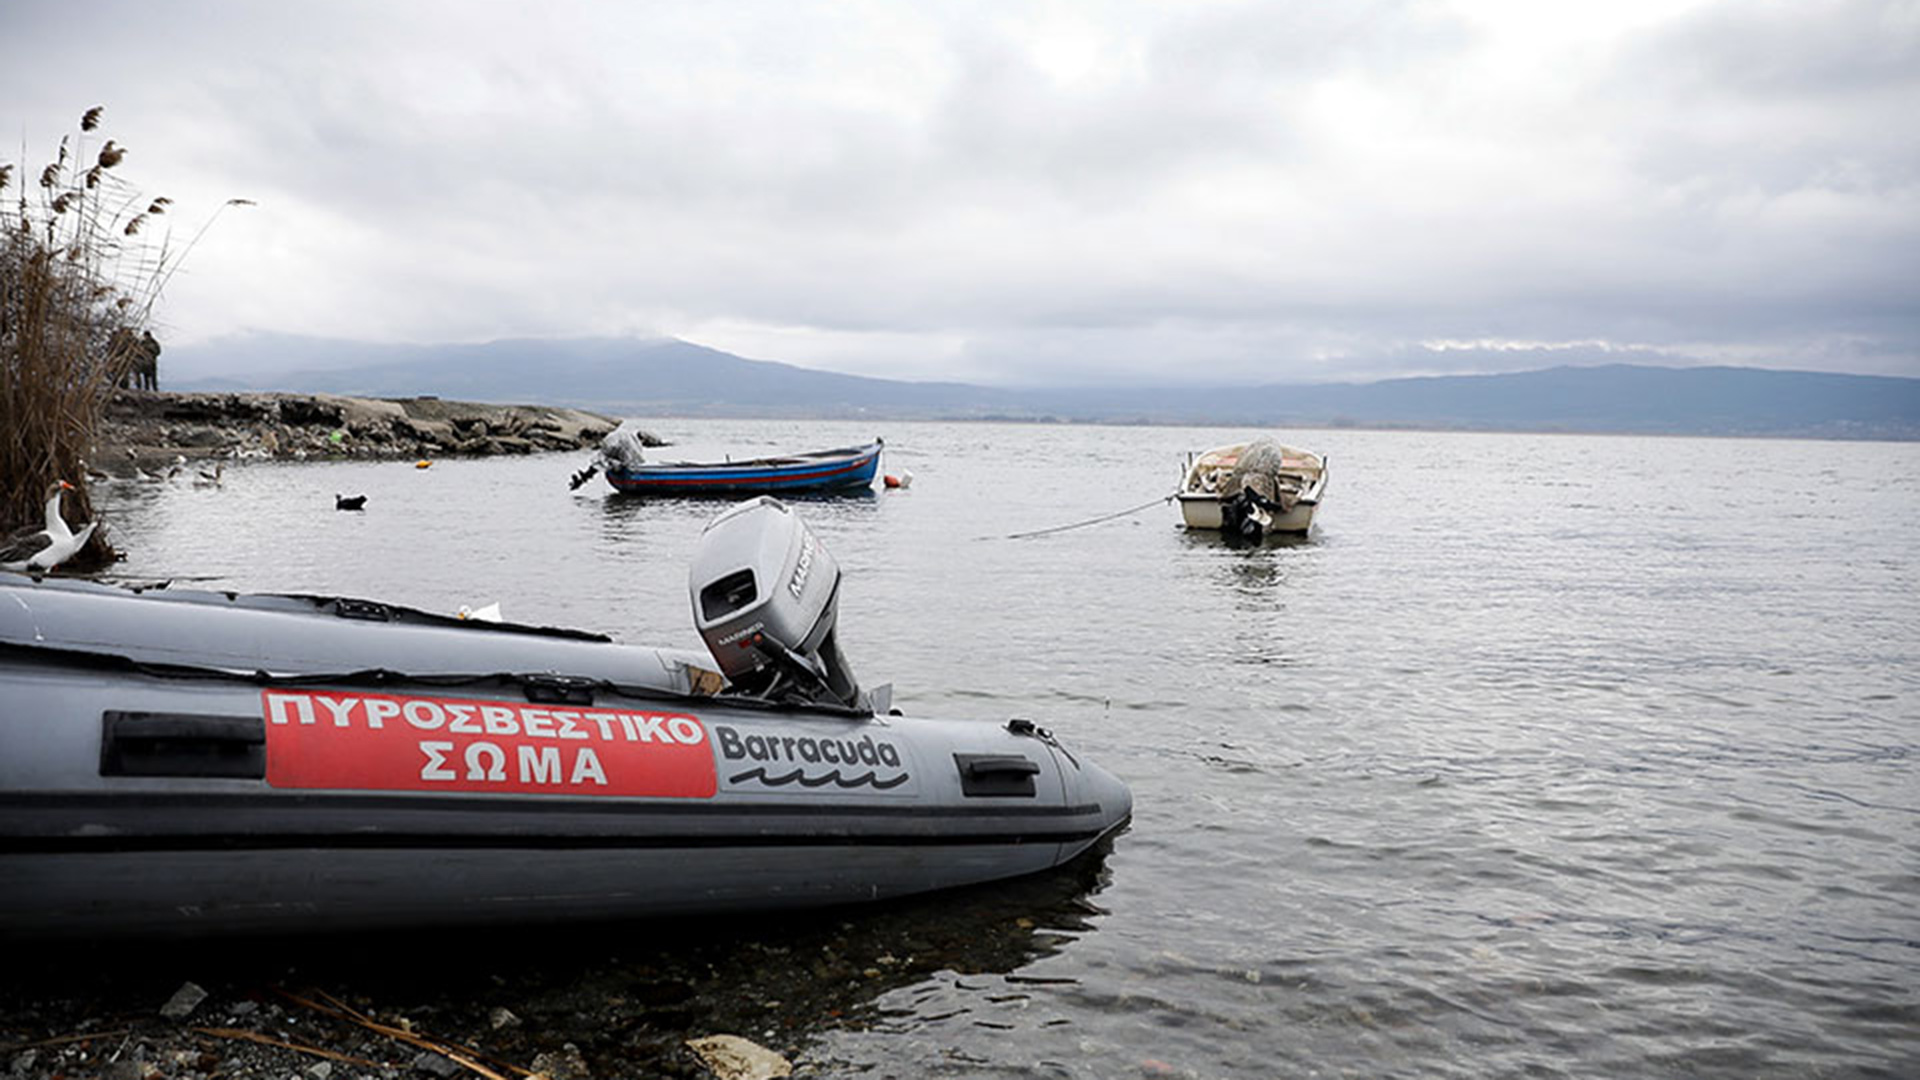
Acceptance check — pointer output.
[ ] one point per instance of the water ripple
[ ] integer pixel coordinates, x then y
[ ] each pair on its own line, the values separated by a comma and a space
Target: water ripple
1551, 780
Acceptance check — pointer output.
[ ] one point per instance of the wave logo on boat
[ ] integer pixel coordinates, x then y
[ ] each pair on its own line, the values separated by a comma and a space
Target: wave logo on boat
389, 742
810, 762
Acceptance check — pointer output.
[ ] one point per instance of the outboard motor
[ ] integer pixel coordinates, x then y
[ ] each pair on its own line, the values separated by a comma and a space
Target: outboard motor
765, 598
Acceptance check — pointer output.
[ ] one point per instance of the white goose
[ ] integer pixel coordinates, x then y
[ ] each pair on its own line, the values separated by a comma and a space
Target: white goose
40, 550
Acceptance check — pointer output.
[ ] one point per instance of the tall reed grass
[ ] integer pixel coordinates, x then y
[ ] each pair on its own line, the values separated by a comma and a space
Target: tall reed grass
84, 257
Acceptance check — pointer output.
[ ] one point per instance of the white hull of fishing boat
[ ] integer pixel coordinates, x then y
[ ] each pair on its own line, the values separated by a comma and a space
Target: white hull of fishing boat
1201, 511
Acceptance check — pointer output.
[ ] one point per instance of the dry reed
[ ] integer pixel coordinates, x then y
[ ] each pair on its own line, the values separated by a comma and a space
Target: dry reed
78, 283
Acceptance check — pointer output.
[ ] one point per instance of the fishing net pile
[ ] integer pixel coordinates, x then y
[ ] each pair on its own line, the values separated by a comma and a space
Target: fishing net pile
622, 449
1258, 471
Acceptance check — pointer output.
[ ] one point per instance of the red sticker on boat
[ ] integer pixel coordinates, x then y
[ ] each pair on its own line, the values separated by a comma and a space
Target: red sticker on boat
385, 742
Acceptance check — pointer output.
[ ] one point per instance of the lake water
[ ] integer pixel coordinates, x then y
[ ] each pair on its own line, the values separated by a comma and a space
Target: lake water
1542, 756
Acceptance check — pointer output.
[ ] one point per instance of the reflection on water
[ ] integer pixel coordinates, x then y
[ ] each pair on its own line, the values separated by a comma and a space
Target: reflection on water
1252, 577
626, 513
1235, 542
1611, 778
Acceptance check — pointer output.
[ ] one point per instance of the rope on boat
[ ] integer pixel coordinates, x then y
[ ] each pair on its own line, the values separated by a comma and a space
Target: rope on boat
1168, 497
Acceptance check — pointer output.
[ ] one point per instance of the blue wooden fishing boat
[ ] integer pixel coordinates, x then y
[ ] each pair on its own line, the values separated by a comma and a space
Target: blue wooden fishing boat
849, 468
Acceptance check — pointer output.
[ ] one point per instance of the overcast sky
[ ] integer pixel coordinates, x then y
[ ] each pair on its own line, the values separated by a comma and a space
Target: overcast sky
1024, 193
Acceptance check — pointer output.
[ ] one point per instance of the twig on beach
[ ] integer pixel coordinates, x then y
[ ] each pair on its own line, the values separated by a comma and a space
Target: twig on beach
62, 1040
254, 1036
465, 1056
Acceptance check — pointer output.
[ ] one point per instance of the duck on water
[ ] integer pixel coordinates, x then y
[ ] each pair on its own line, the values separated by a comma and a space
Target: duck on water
211, 762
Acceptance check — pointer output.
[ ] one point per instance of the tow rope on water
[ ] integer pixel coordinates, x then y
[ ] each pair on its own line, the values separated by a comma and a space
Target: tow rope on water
1168, 497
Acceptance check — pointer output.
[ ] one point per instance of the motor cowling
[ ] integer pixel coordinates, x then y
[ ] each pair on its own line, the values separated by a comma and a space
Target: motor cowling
765, 596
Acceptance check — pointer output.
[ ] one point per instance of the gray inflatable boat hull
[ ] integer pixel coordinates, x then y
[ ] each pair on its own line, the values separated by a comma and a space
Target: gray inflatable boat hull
213, 763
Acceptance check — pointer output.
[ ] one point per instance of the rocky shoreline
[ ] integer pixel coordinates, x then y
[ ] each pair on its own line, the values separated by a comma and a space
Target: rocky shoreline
149, 429
445, 1014
574, 1001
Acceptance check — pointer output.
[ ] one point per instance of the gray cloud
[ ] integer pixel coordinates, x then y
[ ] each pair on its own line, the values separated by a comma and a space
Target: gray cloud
1027, 193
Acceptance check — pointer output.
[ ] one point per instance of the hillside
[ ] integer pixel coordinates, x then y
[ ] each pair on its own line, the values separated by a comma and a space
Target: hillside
660, 377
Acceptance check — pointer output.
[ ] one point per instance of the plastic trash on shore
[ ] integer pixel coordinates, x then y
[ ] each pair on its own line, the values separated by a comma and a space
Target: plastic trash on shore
489, 613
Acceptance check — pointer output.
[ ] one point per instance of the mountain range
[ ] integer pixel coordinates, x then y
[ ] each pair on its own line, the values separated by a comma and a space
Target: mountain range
669, 377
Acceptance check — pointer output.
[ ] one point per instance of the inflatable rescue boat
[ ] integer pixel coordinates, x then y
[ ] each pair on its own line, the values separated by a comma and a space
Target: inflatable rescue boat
213, 762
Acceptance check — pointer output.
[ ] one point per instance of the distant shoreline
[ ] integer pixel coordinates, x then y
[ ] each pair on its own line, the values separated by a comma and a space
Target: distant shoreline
148, 429
667, 377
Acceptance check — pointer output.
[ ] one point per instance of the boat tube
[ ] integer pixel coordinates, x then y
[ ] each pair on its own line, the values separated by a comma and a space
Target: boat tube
213, 762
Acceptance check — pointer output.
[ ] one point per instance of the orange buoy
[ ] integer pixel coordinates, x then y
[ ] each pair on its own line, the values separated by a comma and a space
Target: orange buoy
423, 463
